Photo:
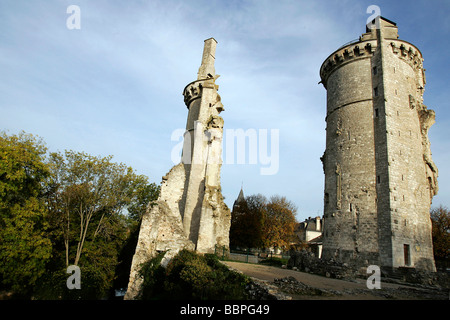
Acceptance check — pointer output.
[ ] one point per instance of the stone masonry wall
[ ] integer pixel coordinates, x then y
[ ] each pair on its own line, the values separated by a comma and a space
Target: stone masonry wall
410, 191
190, 212
379, 175
350, 227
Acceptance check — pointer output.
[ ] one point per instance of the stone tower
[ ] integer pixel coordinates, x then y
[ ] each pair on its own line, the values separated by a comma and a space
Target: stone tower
379, 175
190, 212
206, 218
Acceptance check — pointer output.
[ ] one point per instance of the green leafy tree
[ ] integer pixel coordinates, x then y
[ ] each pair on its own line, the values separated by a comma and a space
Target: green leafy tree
60, 209
24, 245
88, 199
144, 197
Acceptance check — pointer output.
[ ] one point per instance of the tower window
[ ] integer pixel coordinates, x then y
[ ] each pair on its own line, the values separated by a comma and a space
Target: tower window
375, 71
375, 91
378, 179
376, 113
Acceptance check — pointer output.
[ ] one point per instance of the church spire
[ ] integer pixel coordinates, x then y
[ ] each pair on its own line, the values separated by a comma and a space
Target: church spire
239, 199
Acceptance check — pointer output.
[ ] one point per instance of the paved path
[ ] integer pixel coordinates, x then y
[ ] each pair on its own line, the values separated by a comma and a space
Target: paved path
269, 273
349, 289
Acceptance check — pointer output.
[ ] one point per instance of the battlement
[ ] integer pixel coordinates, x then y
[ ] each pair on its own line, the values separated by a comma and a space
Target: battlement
365, 48
407, 52
346, 54
193, 90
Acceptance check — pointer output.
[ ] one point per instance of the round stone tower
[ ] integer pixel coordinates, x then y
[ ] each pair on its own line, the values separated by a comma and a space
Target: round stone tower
379, 175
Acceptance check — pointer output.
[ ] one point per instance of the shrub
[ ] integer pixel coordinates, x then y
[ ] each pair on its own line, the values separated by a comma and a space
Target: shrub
153, 274
275, 262
192, 276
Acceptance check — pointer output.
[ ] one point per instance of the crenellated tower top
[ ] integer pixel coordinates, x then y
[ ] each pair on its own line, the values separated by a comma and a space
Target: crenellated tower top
365, 46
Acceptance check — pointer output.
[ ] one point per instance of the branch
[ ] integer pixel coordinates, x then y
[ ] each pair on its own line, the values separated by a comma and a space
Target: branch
83, 238
98, 226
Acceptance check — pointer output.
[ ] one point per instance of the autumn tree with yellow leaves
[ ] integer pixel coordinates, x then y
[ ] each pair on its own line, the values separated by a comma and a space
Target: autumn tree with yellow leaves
262, 223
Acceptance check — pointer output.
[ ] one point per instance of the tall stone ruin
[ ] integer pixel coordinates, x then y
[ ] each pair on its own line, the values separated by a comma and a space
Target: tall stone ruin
190, 212
379, 175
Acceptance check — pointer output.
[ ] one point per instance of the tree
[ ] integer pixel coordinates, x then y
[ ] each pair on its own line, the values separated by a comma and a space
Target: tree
145, 196
278, 223
262, 223
246, 222
60, 209
24, 246
87, 198
440, 219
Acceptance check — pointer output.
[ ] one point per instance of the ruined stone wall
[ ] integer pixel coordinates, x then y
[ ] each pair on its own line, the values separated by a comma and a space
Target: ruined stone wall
190, 212
206, 218
161, 229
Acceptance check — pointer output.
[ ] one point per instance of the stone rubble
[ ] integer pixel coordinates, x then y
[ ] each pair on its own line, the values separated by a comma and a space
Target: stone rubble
292, 286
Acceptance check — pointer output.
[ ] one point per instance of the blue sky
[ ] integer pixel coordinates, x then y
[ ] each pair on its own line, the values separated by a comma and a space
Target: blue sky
114, 87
